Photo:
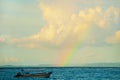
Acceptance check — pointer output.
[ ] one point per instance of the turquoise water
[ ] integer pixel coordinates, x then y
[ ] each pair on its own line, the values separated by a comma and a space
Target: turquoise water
67, 73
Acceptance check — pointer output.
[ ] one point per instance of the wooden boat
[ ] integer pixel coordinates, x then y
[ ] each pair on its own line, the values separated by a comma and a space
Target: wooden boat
40, 75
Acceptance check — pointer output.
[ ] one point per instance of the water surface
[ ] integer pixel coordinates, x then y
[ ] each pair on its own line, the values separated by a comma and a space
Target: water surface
65, 73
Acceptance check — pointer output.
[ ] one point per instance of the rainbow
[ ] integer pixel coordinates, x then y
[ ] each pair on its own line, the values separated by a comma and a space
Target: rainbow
68, 52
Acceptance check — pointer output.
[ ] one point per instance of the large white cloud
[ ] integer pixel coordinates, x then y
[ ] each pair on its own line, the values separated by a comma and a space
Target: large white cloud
66, 26
63, 24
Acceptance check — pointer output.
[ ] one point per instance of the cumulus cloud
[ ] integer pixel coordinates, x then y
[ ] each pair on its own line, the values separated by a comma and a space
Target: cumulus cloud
5, 38
64, 25
112, 13
11, 59
2, 39
114, 39
9, 39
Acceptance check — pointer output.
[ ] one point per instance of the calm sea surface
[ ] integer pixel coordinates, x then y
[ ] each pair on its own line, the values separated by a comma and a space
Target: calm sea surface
68, 73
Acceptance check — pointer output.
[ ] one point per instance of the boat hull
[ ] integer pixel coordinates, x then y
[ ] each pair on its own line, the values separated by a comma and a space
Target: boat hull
40, 75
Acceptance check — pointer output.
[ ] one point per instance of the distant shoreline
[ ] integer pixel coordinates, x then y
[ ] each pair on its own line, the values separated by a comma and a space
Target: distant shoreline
54, 67
111, 65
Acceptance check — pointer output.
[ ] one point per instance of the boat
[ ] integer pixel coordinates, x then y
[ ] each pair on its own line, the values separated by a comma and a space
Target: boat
39, 75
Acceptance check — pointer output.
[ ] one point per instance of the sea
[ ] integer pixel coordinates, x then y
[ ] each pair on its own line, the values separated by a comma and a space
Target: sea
64, 73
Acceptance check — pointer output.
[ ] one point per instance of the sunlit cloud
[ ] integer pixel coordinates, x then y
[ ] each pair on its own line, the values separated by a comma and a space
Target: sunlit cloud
10, 59
63, 24
29, 45
112, 13
115, 39
2, 39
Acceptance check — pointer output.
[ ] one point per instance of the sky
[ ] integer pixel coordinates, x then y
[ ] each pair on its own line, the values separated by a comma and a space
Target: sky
59, 32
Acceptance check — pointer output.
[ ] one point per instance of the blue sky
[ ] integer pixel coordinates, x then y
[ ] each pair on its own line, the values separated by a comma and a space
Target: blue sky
20, 15
34, 32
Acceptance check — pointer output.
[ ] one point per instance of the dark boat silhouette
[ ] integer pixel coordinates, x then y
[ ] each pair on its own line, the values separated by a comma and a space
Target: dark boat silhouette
40, 75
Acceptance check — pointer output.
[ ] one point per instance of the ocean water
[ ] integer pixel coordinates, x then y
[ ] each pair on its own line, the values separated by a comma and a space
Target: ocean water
65, 73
